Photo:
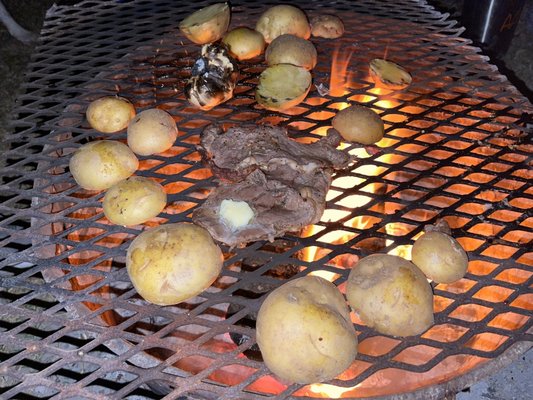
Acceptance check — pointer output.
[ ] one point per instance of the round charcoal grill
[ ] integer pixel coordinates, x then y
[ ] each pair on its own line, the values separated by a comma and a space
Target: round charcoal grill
455, 150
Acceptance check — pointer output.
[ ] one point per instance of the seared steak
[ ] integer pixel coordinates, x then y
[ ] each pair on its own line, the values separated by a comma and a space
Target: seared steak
284, 182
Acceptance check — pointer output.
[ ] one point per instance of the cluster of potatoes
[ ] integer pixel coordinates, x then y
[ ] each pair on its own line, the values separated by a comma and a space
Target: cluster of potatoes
167, 264
390, 294
284, 31
304, 329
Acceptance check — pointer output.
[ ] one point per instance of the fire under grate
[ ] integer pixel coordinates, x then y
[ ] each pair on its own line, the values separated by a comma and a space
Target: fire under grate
456, 149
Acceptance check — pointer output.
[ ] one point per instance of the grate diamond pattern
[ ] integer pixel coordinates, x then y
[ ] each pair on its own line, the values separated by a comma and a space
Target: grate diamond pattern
455, 149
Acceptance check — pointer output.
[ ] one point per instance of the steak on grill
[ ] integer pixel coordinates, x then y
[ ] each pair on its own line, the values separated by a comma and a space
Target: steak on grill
284, 182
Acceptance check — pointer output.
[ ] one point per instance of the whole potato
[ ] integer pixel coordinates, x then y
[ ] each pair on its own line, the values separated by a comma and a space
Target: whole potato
100, 164
304, 331
359, 124
173, 263
282, 19
290, 49
440, 257
244, 43
133, 201
390, 295
110, 114
327, 26
208, 24
282, 86
152, 131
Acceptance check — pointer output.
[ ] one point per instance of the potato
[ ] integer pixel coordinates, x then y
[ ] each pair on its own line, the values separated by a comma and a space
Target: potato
133, 201
110, 114
327, 26
100, 164
282, 19
208, 24
359, 124
152, 131
244, 43
173, 263
440, 257
390, 295
282, 86
389, 75
290, 49
304, 331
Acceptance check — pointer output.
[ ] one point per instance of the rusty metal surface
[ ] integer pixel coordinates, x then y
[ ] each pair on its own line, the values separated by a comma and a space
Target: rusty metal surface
455, 148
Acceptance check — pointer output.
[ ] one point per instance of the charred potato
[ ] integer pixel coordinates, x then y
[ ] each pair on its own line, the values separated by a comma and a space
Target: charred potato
100, 164
389, 75
440, 257
282, 86
208, 24
173, 263
152, 131
244, 43
110, 114
327, 26
133, 201
282, 19
290, 49
304, 331
359, 124
390, 295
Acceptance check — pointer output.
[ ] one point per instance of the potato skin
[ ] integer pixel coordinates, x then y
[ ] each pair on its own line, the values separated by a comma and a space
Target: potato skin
244, 43
304, 331
110, 114
173, 263
133, 201
290, 49
327, 26
359, 124
100, 164
391, 295
282, 19
208, 24
440, 257
152, 131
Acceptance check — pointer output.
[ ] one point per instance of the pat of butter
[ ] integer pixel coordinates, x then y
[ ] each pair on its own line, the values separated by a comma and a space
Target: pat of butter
236, 214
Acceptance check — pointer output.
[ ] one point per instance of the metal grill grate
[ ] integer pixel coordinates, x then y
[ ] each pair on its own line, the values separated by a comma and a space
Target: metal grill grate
455, 149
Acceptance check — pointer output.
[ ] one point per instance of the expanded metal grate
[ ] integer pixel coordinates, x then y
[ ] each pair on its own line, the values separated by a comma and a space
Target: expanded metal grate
455, 149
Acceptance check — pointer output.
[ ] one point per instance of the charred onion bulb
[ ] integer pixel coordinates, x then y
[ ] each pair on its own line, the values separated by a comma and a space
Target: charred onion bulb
213, 77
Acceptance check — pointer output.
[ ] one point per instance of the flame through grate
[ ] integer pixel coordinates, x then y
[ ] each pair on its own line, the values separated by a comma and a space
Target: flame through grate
455, 149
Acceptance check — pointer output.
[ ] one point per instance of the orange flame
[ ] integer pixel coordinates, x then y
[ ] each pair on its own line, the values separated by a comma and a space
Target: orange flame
340, 77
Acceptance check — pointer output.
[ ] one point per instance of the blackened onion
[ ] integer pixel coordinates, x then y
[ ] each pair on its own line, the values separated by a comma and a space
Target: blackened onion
213, 77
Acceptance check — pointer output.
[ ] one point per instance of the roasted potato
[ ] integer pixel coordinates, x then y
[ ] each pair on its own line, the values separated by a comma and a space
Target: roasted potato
133, 201
100, 164
173, 262
327, 26
304, 331
359, 124
110, 114
282, 86
282, 19
152, 131
244, 43
389, 75
440, 257
208, 24
290, 49
391, 295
